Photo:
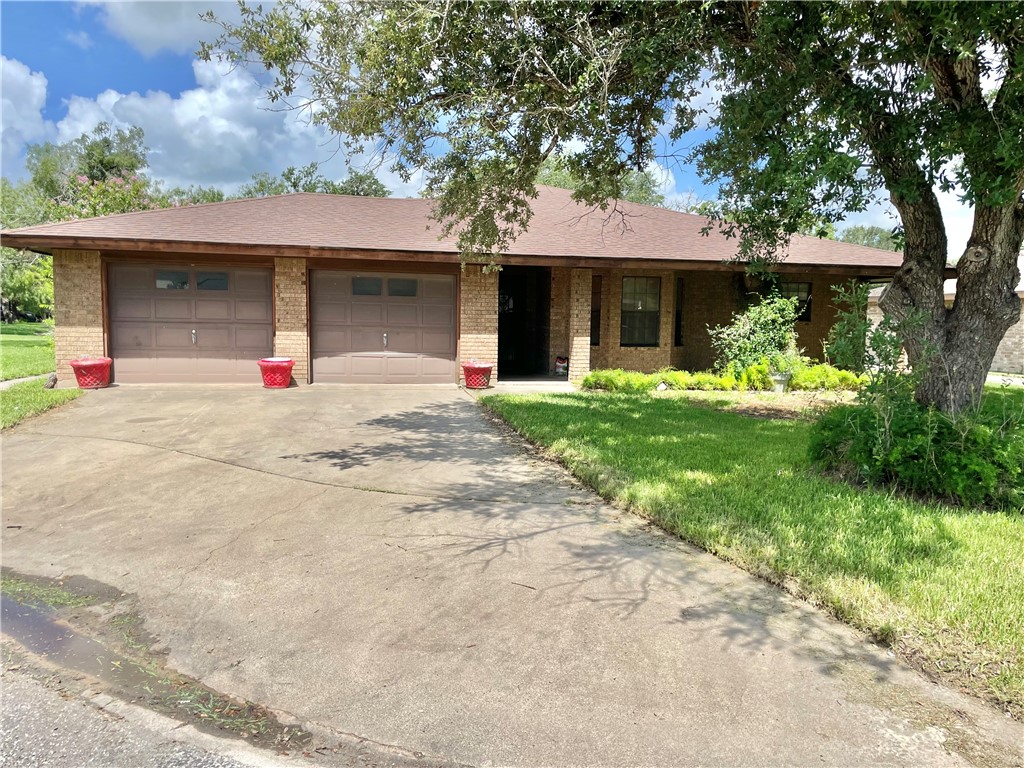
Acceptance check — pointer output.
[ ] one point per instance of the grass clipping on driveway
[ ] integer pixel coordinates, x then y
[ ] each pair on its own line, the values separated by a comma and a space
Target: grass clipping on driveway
942, 586
30, 398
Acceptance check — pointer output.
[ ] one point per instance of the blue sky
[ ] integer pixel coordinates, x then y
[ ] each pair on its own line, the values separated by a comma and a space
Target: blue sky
70, 65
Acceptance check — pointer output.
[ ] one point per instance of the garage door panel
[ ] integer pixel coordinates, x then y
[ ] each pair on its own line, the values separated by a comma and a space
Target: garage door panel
439, 288
177, 299
435, 315
367, 365
213, 309
405, 341
403, 314
331, 284
255, 339
252, 281
438, 342
337, 340
363, 313
252, 311
330, 312
173, 309
367, 340
132, 336
173, 337
133, 279
128, 308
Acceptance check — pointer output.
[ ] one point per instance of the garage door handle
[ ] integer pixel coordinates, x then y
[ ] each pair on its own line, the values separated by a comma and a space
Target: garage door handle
194, 337
385, 341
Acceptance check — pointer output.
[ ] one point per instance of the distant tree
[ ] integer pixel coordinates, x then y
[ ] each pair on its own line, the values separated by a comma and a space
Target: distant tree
26, 278
308, 179
103, 154
637, 186
176, 197
871, 236
361, 184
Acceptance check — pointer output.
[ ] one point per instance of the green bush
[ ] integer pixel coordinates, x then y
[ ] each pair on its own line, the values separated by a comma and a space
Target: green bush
755, 378
825, 377
763, 331
975, 458
618, 380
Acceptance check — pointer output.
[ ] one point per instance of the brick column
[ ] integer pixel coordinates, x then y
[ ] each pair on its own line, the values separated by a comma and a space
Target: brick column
291, 333
559, 341
77, 308
478, 317
580, 282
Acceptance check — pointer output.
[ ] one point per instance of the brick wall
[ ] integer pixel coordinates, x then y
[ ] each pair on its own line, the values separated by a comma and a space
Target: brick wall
291, 334
78, 308
1010, 354
579, 323
709, 299
558, 328
478, 317
610, 354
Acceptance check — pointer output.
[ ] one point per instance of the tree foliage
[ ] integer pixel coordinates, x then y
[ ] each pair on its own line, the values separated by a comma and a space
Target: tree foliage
637, 186
872, 237
309, 179
824, 108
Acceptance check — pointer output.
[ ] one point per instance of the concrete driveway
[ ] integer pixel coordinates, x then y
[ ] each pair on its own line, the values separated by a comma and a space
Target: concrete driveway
386, 562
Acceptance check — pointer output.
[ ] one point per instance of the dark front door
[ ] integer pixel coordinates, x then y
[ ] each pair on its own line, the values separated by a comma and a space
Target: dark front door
523, 320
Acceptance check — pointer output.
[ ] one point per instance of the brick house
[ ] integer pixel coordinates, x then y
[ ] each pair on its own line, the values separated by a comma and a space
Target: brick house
362, 290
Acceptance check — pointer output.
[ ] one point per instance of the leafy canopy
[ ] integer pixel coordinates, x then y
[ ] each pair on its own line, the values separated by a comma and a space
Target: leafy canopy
823, 107
308, 179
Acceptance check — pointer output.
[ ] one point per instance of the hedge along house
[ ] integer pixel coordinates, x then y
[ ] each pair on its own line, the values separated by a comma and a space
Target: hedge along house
362, 290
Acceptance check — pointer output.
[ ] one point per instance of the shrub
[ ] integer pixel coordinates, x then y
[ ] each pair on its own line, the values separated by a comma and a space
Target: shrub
756, 377
975, 458
618, 380
826, 377
763, 331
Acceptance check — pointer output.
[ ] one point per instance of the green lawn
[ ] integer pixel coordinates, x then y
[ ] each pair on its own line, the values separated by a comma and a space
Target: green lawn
942, 585
26, 349
29, 398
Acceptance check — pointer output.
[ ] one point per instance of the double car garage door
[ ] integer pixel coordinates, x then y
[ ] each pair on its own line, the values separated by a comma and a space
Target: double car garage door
183, 323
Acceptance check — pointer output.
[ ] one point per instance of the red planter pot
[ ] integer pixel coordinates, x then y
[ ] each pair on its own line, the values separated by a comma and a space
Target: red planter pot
277, 372
92, 373
477, 375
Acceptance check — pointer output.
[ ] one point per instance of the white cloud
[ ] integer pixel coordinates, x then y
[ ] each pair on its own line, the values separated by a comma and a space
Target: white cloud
79, 38
21, 113
218, 133
151, 26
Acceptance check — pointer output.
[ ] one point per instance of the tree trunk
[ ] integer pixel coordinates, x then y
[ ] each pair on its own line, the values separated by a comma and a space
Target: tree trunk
951, 349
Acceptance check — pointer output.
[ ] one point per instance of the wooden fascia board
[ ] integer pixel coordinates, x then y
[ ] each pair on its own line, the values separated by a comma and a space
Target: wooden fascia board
47, 244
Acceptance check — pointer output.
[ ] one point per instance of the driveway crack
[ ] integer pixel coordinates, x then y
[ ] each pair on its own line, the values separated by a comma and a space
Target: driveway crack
252, 527
310, 481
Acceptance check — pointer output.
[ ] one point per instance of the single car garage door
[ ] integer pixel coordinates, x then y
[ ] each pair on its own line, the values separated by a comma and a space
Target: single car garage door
383, 328
187, 323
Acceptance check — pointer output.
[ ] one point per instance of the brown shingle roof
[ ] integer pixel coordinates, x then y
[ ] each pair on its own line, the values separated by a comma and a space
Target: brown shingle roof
560, 228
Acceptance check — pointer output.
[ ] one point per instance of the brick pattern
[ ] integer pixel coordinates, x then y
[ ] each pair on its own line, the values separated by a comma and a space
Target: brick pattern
291, 332
610, 354
558, 330
78, 308
478, 318
1010, 354
579, 323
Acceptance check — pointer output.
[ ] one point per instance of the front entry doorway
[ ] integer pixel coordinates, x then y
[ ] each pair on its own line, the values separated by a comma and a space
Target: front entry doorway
524, 320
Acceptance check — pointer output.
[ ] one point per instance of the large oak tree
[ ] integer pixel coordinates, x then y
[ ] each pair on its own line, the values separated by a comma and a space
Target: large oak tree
823, 108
